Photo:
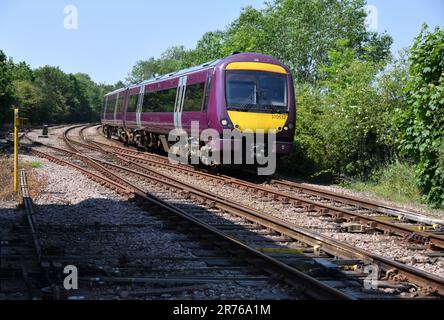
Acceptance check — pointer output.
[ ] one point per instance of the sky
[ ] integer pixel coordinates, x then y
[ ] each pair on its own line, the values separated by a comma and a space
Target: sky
111, 36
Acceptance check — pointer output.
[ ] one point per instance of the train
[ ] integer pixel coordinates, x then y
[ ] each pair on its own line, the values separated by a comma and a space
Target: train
250, 94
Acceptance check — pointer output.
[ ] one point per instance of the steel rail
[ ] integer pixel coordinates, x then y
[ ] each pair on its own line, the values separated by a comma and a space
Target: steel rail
360, 203
314, 239
329, 245
310, 286
431, 239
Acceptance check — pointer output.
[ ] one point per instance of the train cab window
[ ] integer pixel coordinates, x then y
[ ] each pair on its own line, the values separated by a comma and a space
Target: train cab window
132, 103
160, 101
193, 97
256, 91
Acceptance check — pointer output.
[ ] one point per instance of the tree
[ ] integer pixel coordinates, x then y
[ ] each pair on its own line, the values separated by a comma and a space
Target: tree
301, 33
21, 71
6, 90
29, 98
93, 95
249, 33
210, 46
52, 83
421, 122
298, 32
344, 123
173, 59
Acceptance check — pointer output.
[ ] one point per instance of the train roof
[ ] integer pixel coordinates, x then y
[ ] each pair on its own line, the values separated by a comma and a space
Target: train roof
182, 72
200, 67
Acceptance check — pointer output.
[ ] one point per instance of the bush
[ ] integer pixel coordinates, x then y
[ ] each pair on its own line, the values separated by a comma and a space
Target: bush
344, 123
421, 122
396, 182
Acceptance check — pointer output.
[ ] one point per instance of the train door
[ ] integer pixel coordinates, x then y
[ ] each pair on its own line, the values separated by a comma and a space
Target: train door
178, 106
119, 109
118, 98
105, 106
139, 107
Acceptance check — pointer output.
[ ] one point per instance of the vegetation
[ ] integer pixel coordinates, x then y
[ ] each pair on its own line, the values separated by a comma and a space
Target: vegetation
300, 33
396, 182
421, 120
36, 182
362, 115
47, 94
35, 164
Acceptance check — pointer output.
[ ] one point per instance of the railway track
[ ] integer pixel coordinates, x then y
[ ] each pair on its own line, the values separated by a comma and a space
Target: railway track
365, 205
362, 214
337, 258
214, 262
25, 271
306, 285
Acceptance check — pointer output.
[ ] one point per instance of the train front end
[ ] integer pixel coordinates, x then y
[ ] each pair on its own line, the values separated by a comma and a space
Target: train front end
256, 110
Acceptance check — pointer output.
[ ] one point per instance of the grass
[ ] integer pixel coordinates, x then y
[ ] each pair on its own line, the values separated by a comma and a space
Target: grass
35, 164
395, 182
35, 183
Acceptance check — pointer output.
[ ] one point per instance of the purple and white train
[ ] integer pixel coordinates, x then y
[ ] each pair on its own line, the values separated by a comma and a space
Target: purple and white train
245, 92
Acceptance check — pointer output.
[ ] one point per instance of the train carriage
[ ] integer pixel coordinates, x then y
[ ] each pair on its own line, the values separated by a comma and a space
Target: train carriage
245, 92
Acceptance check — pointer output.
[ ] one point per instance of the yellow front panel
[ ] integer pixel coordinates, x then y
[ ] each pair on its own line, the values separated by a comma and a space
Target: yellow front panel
254, 121
257, 66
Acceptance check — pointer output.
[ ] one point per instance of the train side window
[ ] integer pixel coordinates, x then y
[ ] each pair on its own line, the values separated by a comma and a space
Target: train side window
104, 106
119, 104
159, 101
111, 105
207, 92
167, 100
147, 105
193, 97
121, 101
132, 103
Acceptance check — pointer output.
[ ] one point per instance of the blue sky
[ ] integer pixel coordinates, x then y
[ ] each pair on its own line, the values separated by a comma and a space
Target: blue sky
113, 35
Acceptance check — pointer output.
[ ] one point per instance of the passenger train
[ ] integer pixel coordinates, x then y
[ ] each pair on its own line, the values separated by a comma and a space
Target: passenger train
244, 92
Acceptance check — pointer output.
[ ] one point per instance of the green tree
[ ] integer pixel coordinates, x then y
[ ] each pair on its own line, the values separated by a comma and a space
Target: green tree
210, 47
421, 122
173, 59
52, 83
298, 32
29, 98
6, 90
344, 124
21, 71
249, 33
301, 33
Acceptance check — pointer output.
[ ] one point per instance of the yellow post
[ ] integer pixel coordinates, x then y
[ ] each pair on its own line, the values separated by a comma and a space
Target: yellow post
16, 148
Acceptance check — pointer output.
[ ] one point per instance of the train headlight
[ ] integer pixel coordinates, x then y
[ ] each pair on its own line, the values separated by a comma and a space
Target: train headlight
286, 128
226, 123
291, 125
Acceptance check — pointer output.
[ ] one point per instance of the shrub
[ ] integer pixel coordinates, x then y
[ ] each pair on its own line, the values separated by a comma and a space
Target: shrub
421, 122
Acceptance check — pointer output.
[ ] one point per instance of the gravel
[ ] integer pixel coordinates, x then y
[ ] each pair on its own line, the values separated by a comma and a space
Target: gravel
86, 202
71, 199
388, 246
422, 209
